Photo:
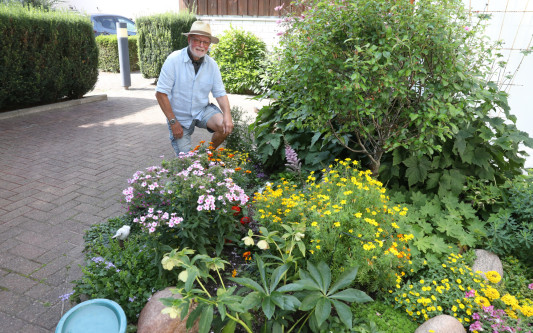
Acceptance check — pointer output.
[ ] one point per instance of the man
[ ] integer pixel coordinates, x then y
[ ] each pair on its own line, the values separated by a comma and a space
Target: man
186, 79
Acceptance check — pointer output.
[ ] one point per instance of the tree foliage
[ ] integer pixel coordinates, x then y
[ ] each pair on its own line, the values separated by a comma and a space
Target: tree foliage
375, 76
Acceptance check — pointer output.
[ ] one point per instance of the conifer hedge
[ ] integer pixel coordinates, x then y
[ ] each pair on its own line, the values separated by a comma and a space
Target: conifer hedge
45, 56
160, 35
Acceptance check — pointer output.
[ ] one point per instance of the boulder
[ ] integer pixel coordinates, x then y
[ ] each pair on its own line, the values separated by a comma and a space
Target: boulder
487, 261
152, 320
441, 324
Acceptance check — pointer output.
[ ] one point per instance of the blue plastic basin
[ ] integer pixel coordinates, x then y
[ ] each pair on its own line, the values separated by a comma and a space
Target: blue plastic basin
96, 315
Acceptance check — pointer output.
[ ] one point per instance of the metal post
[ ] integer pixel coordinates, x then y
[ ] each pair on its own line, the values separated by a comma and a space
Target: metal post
123, 54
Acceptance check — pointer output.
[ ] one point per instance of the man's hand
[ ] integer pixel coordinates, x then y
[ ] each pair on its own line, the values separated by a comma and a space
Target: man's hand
177, 130
227, 123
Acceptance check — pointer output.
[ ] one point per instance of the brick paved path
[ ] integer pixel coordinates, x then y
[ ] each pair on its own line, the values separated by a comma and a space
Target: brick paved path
60, 172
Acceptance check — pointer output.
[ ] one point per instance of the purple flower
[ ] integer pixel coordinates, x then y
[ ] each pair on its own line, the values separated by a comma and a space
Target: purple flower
131, 299
293, 162
476, 316
476, 326
66, 296
470, 293
530, 286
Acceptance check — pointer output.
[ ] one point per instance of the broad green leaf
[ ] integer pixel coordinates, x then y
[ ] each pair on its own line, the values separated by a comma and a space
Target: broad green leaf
325, 274
276, 276
291, 302
268, 307
352, 295
315, 275
193, 315
277, 298
322, 310
249, 283
344, 312
344, 280
222, 310
206, 319
416, 169
309, 302
230, 327
251, 300
294, 287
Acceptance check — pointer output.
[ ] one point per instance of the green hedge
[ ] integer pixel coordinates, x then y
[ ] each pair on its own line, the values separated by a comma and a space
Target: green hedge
108, 53
160, 35
44, 56
239, 55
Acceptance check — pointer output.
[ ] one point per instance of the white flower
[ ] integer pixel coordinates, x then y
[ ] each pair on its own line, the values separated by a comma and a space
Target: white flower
183, 276
248, 241
262, 244
298, 236
172, 312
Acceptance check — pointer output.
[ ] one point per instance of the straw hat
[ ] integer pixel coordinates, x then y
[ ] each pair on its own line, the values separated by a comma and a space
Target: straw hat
203, 29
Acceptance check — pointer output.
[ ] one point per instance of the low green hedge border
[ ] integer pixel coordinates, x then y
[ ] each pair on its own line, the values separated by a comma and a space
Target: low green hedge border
108, 60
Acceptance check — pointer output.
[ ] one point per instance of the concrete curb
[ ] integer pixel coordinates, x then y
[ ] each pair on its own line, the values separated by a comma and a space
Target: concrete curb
53, 106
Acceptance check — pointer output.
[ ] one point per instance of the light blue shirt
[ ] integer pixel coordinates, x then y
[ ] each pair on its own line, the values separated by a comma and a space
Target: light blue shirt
189, 92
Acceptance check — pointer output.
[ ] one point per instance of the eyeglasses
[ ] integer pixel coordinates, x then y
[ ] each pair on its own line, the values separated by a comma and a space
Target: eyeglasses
201, 42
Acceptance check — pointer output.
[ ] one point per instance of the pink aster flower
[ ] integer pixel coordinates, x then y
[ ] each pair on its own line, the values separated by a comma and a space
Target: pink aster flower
470, 293
530, 286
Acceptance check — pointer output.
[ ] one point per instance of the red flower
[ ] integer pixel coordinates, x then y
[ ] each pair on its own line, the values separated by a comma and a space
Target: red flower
245, 220
237, 210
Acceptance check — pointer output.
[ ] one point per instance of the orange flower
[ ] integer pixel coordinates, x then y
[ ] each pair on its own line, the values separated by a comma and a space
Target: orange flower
231, 155
234, 273
221, 149
237, 169
248, 171
247, 255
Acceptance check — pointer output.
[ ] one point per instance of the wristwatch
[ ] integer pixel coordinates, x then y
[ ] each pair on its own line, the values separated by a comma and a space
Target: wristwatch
172, 121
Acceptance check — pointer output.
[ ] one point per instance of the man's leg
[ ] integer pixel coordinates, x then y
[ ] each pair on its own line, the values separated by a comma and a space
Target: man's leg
213, 122
182, 145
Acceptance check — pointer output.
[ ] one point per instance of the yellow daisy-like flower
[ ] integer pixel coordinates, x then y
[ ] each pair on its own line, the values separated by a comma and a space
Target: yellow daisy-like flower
493, 276
491, 293
337, 224
527, 310
482, 301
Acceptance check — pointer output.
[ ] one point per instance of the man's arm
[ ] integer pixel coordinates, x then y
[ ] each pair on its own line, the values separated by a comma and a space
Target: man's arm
164, 103
227, 122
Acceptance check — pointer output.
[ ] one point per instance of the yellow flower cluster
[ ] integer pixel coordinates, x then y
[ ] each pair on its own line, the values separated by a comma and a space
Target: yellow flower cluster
345, 208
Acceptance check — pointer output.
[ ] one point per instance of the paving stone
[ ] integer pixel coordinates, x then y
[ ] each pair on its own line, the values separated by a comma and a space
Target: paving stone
11, 324
17, 283
18, 264
27, 251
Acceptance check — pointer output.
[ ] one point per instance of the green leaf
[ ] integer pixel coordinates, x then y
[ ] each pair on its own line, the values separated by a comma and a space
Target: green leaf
249, 283
230, 327
344, 312
251, 300
297, 287
309, 302
276, 276
315, 275
416, 169
194, 315
352, 295
322, 310
325, 273
344, 280
268, 307
206, 319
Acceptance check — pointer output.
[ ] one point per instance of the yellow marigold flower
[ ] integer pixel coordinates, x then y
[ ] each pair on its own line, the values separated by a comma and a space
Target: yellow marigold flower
527, 310
511, 313
458, 281
337, 224
358, 215
510, 300
491, 293
482, 301
493, 276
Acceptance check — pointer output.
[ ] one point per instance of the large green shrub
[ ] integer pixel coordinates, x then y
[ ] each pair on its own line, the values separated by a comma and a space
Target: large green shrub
44, 56
239, 55
374, 76
108, 60
160, 35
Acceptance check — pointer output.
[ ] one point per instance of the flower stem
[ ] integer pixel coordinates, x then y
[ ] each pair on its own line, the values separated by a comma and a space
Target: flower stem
221, 281
201, 285
243, 324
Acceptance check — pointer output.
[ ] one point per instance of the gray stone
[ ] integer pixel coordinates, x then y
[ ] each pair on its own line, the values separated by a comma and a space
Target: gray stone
441, 324
487, 261
152, 320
